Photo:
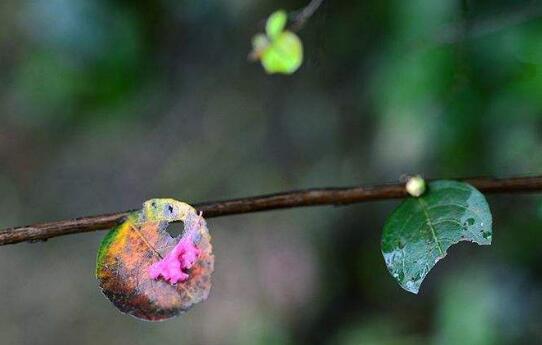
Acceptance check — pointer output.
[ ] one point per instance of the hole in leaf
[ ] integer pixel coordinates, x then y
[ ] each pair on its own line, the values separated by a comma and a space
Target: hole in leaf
175, 229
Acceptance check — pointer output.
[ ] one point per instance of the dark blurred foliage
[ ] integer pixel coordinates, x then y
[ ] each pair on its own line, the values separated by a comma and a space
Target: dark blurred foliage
104, 104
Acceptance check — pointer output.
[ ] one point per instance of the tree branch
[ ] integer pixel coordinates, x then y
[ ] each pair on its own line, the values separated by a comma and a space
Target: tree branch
300, 198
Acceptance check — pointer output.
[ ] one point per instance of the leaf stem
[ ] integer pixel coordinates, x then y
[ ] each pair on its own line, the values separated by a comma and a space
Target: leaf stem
304, 14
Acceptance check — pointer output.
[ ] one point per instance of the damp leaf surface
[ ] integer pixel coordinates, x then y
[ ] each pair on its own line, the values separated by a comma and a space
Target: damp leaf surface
420, 230
147, 273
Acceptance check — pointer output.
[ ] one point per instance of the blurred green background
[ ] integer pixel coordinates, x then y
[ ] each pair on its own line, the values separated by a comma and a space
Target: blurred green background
105, 104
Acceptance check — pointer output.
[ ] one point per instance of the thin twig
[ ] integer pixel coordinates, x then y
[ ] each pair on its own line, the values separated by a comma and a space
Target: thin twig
300, 198
304, 14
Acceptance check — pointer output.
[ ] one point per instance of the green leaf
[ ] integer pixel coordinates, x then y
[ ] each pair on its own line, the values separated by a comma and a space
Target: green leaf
284, 55
275, 24
419, 232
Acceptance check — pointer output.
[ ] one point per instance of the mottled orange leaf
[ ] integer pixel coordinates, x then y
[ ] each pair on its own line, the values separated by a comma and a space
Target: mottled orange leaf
128, 251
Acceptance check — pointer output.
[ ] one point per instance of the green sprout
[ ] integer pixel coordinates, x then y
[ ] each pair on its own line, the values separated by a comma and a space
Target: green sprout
279, 50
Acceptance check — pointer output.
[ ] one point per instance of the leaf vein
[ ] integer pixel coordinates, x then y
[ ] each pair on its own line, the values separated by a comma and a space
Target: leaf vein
430, 224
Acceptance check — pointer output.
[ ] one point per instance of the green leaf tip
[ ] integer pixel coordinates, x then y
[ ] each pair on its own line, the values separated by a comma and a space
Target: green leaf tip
419, 232
275, 24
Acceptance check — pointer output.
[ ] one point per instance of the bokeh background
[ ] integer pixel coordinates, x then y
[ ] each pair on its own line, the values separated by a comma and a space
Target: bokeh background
105, 104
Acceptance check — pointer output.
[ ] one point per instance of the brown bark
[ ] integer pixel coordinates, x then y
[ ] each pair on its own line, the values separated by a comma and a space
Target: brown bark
300, 198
